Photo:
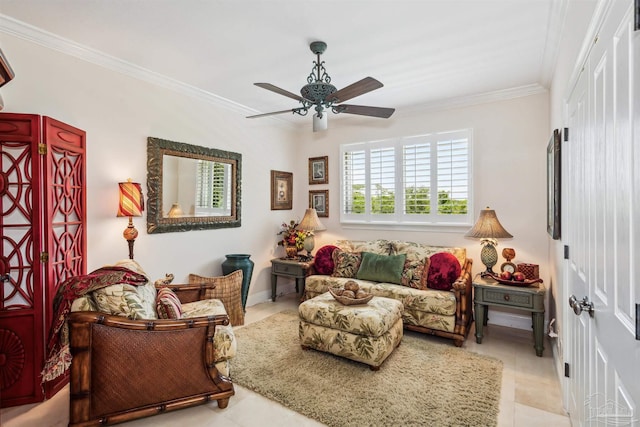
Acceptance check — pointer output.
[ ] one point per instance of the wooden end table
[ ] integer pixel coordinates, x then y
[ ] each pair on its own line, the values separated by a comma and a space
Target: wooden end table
531, 298
292, 268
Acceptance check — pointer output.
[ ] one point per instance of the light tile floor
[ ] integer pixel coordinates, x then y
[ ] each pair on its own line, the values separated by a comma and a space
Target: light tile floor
530, 393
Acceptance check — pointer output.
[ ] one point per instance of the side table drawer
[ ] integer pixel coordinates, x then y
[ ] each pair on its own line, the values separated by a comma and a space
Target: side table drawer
287, 269
515, 299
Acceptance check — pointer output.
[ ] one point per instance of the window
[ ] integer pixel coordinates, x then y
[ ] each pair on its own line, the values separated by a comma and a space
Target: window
211, 182
424, 179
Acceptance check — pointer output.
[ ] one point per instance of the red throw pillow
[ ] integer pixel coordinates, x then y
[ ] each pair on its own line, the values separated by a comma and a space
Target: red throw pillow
444, 269
323, 262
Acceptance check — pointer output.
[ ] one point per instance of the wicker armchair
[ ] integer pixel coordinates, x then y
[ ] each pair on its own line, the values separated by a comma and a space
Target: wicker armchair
124, 369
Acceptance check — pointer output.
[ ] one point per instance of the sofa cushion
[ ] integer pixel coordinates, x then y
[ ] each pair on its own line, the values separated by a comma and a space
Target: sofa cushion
168, 304
122, 299
224, 342
444, 269
380, 246
418, 251
323, 262
381, 268
228, 289
346, 264
413, 273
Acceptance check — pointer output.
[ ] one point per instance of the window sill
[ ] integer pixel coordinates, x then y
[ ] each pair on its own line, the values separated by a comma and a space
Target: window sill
440, 228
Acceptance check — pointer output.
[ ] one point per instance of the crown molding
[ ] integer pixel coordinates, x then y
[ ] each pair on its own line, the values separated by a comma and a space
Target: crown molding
470, 100
557, 16
52, 41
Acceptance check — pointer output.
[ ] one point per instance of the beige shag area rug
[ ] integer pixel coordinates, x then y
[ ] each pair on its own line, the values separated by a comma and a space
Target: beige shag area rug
422, 383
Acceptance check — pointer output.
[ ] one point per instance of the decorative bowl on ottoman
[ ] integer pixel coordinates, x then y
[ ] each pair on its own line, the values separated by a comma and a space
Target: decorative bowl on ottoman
351, 294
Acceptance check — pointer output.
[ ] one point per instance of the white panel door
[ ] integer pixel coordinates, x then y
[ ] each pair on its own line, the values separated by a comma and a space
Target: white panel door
603, 226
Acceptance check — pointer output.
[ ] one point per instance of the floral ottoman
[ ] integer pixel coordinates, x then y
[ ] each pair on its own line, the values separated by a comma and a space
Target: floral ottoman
366, 333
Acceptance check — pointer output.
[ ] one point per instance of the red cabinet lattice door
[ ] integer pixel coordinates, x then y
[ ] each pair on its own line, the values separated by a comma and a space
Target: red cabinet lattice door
42, 217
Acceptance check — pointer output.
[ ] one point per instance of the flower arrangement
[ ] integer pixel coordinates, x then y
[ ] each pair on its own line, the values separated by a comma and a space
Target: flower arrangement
291, 236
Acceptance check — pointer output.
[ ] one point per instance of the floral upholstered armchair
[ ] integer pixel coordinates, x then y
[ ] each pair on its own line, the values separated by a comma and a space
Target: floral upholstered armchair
139, 349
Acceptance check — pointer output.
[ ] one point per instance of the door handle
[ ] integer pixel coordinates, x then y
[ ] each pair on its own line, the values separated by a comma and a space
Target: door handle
5, 277
579, 306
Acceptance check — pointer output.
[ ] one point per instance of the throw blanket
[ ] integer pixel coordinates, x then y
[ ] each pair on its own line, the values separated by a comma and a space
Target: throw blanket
58, 354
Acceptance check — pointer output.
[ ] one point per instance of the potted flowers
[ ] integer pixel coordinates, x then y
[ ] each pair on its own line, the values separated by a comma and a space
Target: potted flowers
292, 238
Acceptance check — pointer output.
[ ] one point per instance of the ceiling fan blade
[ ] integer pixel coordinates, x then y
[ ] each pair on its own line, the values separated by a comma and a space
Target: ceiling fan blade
276, 89
292, 110
356, 89
364, 110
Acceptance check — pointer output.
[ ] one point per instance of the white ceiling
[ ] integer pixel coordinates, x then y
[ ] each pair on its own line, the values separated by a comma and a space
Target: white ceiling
425, 52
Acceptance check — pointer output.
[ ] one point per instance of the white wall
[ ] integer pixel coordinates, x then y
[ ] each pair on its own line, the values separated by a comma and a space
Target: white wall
509, 171
118, 113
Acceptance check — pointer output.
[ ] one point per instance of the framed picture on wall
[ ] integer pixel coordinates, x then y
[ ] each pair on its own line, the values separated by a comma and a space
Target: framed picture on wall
319, 170
553, 185
319, 200
281, 190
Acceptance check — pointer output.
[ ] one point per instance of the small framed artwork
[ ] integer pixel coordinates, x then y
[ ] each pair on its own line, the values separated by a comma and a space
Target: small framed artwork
319, 170
281, 190
319, 200
6, 72
553, 185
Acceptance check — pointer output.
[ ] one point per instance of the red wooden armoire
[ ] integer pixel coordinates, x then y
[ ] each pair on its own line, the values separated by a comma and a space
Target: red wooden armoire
43, 214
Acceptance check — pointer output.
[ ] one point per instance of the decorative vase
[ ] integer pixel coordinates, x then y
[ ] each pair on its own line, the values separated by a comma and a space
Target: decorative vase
292, 251
240, 262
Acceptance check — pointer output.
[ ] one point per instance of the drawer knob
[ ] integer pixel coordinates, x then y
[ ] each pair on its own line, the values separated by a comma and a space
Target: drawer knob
506, 297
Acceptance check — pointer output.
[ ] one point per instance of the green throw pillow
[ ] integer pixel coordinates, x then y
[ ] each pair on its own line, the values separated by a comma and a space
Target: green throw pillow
381, 268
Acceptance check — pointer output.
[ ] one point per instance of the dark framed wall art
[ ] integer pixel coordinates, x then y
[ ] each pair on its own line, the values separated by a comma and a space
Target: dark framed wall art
319, 200
319, 170
281, 190
554, 184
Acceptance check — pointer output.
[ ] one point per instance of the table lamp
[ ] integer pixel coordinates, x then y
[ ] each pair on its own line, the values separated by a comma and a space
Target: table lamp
131, 203
488, 229
310, 222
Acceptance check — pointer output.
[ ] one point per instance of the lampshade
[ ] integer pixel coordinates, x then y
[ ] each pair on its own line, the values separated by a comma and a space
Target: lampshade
310, 221
488, 227
175, 211
131, 201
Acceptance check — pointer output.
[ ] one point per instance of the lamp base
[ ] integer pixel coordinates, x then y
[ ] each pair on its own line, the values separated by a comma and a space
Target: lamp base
489, 257
309, 244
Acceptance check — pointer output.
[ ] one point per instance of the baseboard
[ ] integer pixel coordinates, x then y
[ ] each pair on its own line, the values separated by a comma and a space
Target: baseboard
264, 296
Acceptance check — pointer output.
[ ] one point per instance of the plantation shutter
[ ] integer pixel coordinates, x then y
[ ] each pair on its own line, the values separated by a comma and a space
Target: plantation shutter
453, 176
382, 180
417, 178
354, 180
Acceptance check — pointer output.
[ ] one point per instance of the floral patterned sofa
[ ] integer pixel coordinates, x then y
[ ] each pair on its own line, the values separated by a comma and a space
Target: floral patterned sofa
432, 282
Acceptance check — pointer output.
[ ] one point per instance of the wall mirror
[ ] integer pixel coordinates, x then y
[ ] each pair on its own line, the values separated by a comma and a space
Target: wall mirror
191, 187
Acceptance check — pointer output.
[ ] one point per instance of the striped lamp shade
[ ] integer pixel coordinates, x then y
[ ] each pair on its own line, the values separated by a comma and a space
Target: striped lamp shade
131, 200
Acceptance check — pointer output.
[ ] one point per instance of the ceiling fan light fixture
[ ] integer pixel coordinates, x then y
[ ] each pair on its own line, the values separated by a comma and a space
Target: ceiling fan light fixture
319, 92
320, 123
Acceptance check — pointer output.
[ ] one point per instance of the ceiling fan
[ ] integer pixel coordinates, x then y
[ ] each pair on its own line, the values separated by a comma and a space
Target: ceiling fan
320, 94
